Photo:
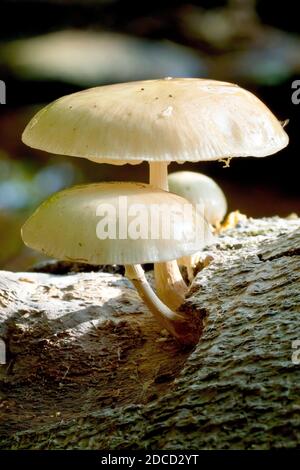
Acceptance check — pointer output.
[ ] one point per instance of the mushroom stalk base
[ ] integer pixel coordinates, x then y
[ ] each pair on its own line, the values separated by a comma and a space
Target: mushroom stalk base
183, 328
170, 286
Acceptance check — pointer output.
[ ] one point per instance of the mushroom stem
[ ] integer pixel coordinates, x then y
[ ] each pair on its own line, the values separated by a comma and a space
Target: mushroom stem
184, 328
170, 286
158, 175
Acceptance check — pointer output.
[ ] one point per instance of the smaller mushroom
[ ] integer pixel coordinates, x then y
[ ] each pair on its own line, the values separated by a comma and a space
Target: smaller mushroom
123, 223
202, 190
207, 196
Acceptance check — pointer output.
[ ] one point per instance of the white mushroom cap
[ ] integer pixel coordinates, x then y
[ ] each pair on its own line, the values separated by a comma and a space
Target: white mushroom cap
65, 226
181, 119
202, 190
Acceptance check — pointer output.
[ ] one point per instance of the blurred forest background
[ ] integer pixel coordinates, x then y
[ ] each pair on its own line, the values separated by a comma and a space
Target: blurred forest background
49, 48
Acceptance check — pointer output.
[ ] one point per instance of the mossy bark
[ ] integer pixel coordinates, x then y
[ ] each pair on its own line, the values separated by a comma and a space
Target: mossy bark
88, 367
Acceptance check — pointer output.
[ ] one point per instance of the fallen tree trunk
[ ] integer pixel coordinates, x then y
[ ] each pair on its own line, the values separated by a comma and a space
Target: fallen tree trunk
88, 368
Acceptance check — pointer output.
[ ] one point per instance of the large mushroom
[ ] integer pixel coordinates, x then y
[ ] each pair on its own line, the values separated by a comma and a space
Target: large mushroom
123, 223
160, 121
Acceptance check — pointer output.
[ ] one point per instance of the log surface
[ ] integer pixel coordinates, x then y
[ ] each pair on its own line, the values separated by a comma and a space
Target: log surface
88, 368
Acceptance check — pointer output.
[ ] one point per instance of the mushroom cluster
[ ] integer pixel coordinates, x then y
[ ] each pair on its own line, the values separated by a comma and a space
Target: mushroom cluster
158, 121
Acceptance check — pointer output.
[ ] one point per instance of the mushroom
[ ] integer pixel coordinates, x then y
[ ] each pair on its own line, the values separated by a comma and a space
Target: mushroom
160, 121
201, 191
207, 197
123, 223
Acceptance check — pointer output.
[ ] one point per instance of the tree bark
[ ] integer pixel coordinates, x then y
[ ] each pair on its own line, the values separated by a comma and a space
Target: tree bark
89, 368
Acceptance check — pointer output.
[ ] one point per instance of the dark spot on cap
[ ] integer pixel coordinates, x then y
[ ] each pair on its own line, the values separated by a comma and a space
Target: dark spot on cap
70, 107
170, 96
142, 89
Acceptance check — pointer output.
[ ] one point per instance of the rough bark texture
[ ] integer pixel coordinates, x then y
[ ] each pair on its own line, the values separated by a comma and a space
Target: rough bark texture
88, 367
